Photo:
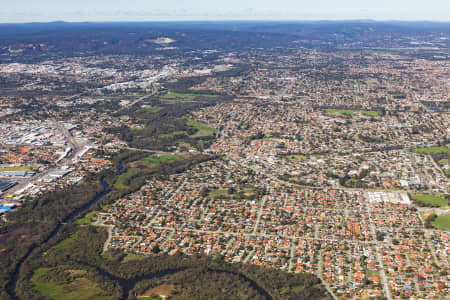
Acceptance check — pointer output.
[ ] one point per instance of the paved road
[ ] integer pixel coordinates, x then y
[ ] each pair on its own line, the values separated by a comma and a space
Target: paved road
162, 152
319, 275
76, 149
387, 292
260, 212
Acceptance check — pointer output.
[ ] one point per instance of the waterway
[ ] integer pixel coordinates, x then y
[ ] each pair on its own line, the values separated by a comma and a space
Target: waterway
106, 190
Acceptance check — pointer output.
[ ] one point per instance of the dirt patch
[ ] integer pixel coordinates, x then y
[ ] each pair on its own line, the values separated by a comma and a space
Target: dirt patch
163, 291
80, 283
76, 272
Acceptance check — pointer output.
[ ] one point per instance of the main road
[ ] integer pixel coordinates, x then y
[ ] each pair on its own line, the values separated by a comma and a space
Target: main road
76, 149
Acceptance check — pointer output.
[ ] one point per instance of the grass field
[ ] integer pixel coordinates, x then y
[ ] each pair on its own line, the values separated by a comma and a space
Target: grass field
218, 192
372, 82
150, 109
172, 134
443, 161
135, 169
78, 288
158, 159
203, 130
431, 150
87, 219
186, 96
120, 183
20, 168
353, 112
428, 199
371, 273
132, 256
442, 222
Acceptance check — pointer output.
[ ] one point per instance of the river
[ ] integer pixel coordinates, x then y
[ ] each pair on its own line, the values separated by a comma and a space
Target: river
15, 277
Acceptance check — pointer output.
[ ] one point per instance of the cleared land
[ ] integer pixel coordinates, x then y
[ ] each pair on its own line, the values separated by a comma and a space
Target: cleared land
164, 290
430, 200
353, 112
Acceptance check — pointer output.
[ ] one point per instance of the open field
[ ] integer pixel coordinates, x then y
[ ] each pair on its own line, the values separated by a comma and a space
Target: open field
186, 96
353, 112
137, 166
73, 288
158, 159
137, 95
218, 192
160, 291
19, 168
442, 222
87, 219
430, 200
431, 150
150, 109
131, 256
120, 183
203, 130
172, 134
244, 193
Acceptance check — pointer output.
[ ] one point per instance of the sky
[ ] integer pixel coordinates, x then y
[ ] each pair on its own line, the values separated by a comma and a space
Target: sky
182, 10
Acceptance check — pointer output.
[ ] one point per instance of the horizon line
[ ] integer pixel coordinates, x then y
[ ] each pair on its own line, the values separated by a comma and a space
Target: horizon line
231, 20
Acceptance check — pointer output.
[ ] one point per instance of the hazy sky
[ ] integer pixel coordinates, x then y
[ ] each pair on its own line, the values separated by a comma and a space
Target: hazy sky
156, 10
